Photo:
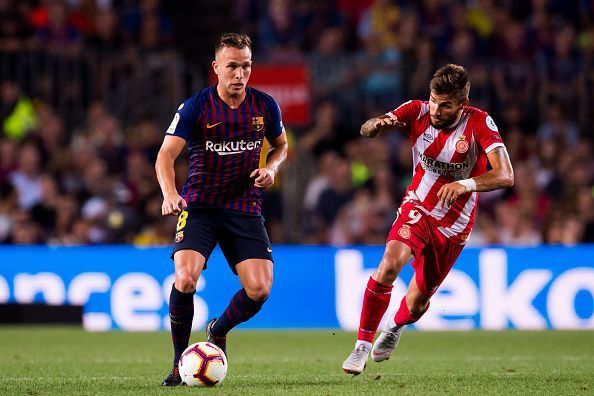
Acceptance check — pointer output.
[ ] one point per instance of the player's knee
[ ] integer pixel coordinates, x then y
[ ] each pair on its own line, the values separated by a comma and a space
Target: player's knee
390, 266
386, 273
185, 282
259, 291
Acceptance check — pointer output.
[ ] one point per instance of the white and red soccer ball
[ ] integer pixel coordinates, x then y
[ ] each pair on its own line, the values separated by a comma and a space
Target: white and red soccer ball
203, 364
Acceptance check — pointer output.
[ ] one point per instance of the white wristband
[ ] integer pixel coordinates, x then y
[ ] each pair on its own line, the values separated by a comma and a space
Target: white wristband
470, 184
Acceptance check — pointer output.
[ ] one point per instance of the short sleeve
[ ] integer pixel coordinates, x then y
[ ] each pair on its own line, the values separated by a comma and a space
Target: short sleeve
487, 133
407, 112
275, 127
184, 120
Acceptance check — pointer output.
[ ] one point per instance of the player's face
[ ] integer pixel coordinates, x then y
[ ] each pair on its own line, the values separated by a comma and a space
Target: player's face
444, 110
233, 67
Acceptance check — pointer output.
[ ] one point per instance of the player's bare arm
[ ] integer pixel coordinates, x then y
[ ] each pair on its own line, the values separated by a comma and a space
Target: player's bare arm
264, 177
173, 203
500, 176
374, 126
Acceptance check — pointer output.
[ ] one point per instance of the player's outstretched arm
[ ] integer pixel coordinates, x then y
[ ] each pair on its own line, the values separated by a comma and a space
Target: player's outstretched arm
501, 176
264, 177
372, 127
173, 203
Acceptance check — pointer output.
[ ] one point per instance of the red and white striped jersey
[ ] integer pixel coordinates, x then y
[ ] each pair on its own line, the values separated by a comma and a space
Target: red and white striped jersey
446, 155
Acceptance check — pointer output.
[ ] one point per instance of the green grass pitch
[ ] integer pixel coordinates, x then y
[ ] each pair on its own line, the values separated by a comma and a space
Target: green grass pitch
58, 360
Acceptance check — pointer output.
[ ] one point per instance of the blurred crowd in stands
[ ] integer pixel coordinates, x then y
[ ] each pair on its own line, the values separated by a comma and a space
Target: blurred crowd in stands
87, 87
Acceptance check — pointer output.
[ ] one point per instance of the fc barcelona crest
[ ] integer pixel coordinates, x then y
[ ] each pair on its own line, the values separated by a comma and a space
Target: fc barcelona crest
179, 236
258, 123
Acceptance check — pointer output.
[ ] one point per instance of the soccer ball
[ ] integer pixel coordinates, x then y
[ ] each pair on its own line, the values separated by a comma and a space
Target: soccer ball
203, 364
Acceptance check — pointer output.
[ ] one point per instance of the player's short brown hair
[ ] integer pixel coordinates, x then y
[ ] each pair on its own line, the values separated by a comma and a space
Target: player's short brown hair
235, 40
451, 80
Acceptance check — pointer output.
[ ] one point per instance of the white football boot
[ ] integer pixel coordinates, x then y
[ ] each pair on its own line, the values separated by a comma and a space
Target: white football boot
386, 343
357, 360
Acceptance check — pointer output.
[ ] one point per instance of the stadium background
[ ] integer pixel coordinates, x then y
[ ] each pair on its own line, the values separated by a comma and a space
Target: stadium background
87, 88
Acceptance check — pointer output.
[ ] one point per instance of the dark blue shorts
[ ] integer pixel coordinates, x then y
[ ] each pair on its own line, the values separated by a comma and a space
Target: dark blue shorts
241, 236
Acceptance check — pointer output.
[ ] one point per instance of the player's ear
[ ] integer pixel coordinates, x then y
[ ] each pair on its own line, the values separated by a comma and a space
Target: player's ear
215, 67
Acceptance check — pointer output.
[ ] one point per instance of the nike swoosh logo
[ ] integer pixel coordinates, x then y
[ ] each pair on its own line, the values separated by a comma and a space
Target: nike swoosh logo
208, 126
269, 250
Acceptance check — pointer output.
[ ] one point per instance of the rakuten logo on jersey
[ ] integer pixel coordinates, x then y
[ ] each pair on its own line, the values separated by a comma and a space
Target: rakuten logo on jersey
229, 148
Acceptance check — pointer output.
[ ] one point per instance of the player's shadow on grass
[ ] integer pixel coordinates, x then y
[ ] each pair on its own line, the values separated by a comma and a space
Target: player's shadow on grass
292, 384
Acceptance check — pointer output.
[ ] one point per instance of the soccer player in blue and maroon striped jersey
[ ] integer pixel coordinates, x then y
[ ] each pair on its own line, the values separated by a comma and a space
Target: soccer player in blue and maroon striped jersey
223, 127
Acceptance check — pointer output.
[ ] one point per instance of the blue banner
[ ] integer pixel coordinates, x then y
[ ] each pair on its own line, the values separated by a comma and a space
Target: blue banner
128, 288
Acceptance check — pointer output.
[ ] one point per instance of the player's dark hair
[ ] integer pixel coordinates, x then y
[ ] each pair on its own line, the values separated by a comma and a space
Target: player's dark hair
235, 40
451, 80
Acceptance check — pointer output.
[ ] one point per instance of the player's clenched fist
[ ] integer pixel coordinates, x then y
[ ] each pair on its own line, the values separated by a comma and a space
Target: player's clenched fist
173, 205
374, 126
264, 177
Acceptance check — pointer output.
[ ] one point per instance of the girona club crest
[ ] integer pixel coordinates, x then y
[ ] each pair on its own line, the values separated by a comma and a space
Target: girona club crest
404, 231
257, 123
462, 145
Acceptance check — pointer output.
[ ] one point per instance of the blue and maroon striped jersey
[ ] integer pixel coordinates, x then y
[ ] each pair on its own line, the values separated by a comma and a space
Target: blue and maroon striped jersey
224, 147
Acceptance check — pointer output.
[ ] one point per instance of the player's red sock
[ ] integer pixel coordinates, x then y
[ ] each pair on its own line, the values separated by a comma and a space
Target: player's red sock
404, 317
375, 302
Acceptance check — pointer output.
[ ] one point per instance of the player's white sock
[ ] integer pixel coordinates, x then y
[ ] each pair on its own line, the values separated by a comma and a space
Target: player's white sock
357, 360
392, 326
364, 343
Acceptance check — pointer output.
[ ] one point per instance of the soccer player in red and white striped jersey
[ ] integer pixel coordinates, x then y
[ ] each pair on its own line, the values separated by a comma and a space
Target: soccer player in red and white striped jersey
451, 144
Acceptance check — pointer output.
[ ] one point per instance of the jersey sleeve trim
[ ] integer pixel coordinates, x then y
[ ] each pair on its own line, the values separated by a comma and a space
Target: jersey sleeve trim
494, 146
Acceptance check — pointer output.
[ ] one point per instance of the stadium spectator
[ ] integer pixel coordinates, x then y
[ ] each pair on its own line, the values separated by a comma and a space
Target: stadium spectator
13, 28
7, 158
87, 83
338, 193
8, 209
26, 178
319, 182
16, 111
278, 38
334, 74
53, 29
557, 128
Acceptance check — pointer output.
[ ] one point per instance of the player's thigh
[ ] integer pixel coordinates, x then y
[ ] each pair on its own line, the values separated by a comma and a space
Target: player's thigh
434, 263
406, 239
243, 237
195, 239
